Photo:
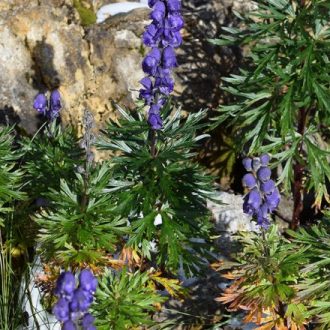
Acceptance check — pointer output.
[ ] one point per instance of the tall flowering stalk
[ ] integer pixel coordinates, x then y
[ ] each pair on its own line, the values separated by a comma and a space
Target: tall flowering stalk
162, 35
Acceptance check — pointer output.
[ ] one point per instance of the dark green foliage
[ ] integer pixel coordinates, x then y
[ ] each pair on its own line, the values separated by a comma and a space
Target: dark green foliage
314, 289
80, 224
164, 182
10, 178
124, 301
282, 97
51, 155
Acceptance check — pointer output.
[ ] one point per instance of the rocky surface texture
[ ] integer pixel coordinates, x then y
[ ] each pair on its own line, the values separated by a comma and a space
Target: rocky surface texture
44, 46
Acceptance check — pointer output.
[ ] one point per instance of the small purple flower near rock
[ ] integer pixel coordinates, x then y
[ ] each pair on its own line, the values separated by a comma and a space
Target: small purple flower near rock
263, 196
163, 35
74, 302
50, 109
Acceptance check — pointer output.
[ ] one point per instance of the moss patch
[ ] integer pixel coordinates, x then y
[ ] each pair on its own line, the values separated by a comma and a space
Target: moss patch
87, 16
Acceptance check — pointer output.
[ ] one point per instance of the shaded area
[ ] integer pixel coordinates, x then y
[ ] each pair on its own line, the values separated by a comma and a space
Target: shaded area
203, 66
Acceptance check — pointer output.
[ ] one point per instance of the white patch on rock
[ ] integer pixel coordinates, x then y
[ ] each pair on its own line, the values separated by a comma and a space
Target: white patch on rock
116, 8
229, 217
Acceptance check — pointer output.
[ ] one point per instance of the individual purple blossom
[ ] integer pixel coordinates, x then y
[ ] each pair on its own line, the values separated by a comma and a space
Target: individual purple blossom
263, 197
264, 174
87, 281
55, 104
88, 322
61, 310
74, 302
40, 103
69, 325
66, 284
252, 202
249, 180
162, 35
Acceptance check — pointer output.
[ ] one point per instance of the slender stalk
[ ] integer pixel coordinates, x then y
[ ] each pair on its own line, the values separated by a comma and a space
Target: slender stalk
153, 143
298, 175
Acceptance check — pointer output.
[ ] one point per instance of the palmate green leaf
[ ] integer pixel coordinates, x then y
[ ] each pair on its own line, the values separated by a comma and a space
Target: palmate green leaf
288, 65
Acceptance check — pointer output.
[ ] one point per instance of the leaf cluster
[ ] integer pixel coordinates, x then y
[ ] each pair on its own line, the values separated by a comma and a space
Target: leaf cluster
125, 300
80, 225
283, 93
11, 178
314, 288
160, 182
263, 277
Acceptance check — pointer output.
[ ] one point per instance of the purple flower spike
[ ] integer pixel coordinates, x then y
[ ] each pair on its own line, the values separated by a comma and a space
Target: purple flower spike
264, 174
249, 181
40, 103
87, 281
263, 197
72, 309
66, 284
247, 163
267, 187
163, 35
264, 159
69, 325
61, 310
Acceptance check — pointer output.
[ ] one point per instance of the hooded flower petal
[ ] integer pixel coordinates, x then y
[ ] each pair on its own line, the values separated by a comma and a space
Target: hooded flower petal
88, 281
40, 103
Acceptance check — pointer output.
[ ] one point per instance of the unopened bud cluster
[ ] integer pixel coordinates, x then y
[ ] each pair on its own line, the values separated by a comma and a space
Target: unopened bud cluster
263, 196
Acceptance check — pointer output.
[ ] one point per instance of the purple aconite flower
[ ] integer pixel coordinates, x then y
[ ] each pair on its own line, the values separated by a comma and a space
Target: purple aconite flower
264, 174
249, 180
55, 104
73, 303
40, 103
49, 109
87, 281
263, 197
162, 35
61, 310
69, 325
66, 284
